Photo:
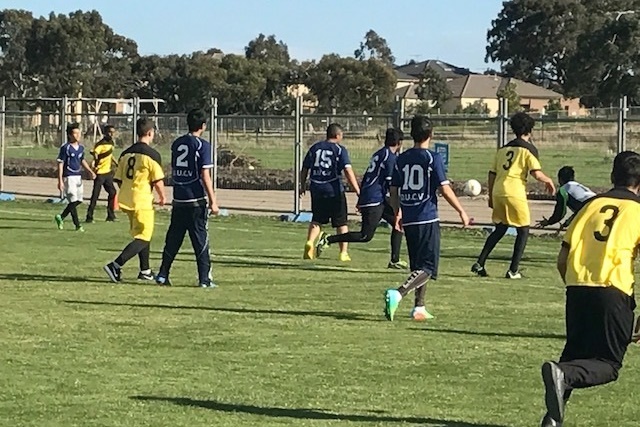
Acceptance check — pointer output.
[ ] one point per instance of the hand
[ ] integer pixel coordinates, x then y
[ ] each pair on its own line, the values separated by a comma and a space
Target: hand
357, 208
465, 219
302, 192
163, 200
60, 185
551, 189
213, 208
93, 175
542, 223
398, 224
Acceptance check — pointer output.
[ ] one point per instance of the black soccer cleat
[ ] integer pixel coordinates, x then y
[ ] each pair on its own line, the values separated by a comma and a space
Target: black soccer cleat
479, 270
114, 272
147, 276
163, 281
547, 421
555, 388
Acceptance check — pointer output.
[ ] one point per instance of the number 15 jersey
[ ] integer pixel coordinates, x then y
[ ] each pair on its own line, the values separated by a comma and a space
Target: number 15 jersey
603, 240
512, 165
139, 167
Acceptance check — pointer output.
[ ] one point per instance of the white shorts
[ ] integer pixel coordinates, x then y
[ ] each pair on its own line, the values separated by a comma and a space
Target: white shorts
73, 189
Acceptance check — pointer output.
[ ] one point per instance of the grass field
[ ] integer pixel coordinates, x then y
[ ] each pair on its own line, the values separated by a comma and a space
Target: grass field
592, 163
281, 341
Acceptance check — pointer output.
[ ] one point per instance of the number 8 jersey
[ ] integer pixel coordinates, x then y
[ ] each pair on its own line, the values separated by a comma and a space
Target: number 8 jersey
512, 165
189, 155
418, 174
139, 167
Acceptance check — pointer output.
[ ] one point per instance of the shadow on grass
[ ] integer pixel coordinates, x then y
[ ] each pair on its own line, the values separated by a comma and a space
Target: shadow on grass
325, 314
22, 277
494, 334
303, 413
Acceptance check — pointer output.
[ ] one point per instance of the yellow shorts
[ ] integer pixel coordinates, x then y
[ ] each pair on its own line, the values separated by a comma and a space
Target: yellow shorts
141, 223
511, 211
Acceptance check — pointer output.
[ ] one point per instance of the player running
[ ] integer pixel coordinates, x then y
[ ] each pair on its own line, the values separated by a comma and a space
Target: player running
418, 174
191, 165
70, 163
373, 203
513, 163
571, 194
325, 161
139, 172
103, 163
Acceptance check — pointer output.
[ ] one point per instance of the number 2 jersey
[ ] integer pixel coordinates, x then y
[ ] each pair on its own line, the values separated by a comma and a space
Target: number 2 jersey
377, 178
139, 167
189, 155
512, 165
418, 174
325, 162
603, 240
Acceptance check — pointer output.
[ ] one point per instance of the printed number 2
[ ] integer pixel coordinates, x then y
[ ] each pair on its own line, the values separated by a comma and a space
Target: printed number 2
181, 161
131, 164
509, 163
603, 235
413, 177
323, 159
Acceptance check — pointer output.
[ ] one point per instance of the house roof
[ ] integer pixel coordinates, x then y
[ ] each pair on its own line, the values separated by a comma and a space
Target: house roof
407, 92
529, 90
445, 69
400, 76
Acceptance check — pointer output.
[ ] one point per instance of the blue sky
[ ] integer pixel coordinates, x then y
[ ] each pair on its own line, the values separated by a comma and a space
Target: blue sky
449, 30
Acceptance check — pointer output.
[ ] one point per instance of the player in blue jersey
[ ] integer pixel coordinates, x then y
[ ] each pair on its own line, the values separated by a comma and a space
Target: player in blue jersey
325, 161
418, 175
193, 200
373, 202
70, 163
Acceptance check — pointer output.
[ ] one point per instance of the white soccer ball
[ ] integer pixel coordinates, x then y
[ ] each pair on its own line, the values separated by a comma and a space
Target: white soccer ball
472, 188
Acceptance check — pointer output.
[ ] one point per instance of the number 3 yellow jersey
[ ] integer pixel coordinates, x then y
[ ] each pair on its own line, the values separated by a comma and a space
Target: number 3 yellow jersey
602, 241
139, 167
512, 165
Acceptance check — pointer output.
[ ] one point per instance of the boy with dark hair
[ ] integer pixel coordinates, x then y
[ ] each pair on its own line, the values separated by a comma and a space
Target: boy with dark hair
139, 172
417, 176
103, 163
70, 163
571, 194
191, 165
512, 165
596, 263
373, 202
325, 161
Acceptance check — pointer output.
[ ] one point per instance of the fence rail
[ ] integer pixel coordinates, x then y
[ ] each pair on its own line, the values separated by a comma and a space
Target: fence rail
265, 152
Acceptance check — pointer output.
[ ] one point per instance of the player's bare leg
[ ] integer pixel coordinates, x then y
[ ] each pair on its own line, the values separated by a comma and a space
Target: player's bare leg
344, 254
312, 235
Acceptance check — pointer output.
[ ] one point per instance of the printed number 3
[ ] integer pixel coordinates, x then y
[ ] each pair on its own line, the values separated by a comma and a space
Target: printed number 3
603, 236
509, 163
181, 161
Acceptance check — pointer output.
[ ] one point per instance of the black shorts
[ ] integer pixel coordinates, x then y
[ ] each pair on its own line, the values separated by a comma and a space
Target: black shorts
599, 324
327, 209
372, 215
423, 245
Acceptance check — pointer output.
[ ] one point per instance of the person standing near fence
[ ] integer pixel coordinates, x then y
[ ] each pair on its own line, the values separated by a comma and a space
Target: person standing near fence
70, 163
103, 163
325, 161
191, 165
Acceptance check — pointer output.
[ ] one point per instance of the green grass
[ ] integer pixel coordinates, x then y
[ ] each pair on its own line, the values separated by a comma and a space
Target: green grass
281, 341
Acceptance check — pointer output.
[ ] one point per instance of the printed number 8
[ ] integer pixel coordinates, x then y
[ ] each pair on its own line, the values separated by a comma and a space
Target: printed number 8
131, 163
509, 163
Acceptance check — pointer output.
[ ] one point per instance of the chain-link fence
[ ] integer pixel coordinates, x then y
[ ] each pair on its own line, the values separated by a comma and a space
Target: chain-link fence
260, 153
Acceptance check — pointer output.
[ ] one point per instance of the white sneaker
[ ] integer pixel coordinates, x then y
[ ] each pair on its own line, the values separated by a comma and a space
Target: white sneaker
511, 275
421, 313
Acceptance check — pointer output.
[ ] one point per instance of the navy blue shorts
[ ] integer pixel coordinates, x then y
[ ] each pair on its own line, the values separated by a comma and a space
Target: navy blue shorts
423, 245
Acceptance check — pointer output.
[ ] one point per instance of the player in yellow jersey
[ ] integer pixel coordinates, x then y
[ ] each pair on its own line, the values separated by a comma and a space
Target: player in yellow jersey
103, 164
139, 171
512, 165
596, 263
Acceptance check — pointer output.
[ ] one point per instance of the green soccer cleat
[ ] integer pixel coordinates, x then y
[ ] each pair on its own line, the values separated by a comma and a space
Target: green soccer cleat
399, 265
392, 300
322, 244
59, 222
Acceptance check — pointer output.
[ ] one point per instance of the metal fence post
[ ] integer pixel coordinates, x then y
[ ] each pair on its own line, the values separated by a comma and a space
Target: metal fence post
213, 136
622, 125
63, 120
136, 112
297, 146
503, 111
3, 108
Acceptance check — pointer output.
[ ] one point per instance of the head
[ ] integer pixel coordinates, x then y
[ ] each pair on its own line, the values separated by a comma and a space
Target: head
73, 132
196, 120
334, 132
626, 171
566, 174
522, 124
421, 129
145, 129
393, 138
109, 132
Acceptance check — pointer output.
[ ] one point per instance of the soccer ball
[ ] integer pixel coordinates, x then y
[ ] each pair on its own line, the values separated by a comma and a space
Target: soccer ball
472, 188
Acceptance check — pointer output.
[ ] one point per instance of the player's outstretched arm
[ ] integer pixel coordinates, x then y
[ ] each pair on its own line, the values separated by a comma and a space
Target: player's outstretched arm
548, 182
159, 186
563, 256
451, 198
394, 202
60, 173
208, 185
303, 181
351, 178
